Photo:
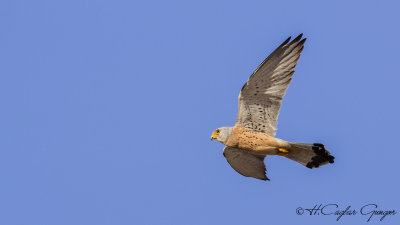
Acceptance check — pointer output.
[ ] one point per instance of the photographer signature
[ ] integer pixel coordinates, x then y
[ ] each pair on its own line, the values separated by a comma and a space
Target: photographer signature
369, 210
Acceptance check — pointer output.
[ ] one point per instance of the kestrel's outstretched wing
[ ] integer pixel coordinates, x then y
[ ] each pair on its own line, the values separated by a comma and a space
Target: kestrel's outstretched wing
245, 163
261, 96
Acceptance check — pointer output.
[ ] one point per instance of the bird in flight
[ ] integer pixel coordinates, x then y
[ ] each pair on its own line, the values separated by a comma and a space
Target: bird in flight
253, 136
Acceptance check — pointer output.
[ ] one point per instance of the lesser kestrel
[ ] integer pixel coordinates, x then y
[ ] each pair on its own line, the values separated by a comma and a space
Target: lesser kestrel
252, 137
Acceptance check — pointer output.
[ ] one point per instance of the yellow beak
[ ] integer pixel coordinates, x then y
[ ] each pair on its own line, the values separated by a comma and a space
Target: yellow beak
214, 135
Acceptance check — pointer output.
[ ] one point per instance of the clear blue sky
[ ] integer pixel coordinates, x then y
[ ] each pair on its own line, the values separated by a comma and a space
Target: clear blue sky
107, 108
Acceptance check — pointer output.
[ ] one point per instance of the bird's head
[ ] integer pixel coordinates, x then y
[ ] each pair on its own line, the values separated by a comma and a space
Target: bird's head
222, 134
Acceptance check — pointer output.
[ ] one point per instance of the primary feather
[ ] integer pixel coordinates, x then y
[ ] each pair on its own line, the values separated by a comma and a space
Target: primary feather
261, 96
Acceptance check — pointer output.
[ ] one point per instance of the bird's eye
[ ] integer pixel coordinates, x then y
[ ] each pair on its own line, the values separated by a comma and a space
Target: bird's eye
217, 131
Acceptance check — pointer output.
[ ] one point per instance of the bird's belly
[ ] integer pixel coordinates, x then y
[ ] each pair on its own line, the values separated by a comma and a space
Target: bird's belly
259, 143
255, 142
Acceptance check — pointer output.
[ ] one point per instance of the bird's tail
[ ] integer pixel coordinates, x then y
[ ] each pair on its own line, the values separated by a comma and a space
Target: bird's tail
310, 155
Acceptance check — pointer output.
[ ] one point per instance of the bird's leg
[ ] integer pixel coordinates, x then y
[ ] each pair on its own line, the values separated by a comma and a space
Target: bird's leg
283, 152
263, 150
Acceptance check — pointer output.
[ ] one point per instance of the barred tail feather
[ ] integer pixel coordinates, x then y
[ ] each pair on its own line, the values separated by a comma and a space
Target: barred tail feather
310, 155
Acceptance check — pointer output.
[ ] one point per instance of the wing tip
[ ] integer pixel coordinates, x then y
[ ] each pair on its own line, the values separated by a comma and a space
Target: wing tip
303, 41
286, 41
296, 39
